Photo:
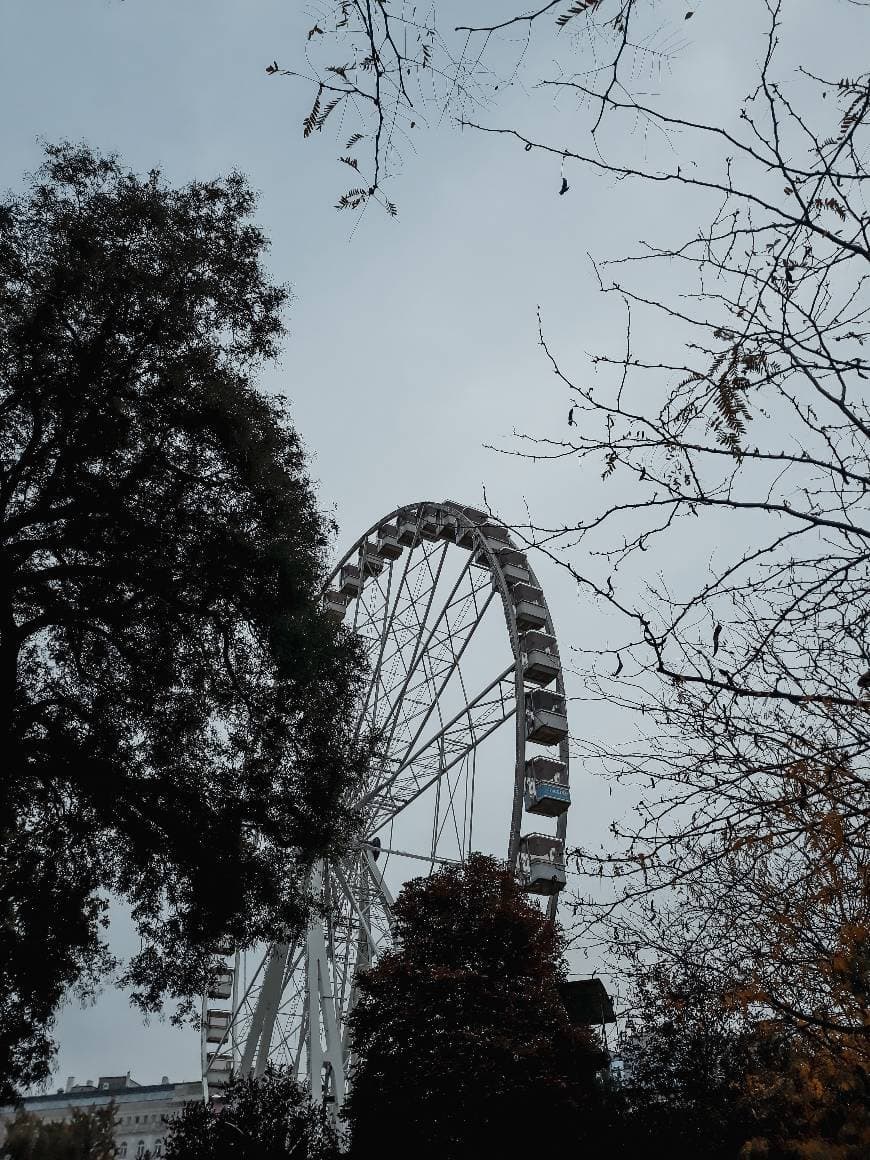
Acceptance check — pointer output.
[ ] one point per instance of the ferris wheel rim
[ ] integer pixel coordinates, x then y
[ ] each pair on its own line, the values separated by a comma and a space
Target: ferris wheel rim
483, 545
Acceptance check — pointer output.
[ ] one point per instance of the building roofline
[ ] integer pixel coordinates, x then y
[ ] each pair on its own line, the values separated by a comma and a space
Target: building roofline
107, 1094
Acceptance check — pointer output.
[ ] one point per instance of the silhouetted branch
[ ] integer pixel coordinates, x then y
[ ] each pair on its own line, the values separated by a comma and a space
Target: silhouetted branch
746, 852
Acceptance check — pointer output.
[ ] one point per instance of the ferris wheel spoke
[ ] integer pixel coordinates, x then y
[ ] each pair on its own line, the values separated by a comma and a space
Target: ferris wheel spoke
291, 1030
458, 613
414, 776
303, 1041
447, 661
386, 633
450, 604
420, 648
292, 964
421, 621
449, 813
397, 802
381, 688
425, 697
290, 1005
453, 668
499, 698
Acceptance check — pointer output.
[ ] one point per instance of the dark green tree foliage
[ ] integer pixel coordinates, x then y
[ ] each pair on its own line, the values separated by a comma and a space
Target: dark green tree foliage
86, 1135
173, 703
686, 1060
270, 1118
460, 1036
705, 1079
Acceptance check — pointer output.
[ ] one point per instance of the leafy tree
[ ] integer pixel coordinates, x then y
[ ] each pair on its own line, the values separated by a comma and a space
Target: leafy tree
685, 1057
705, 1078
459, 1034
268, 1118
175, 707
779, 933
808, 1104
88, 1134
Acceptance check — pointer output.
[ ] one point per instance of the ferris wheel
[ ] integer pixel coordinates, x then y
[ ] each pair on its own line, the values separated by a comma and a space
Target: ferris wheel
466, 708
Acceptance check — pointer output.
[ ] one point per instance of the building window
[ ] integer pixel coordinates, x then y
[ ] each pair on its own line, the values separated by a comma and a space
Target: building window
122, 1151
158, 1148
140, 1149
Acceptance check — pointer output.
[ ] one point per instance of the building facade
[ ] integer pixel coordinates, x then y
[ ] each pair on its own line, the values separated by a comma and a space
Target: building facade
141, 1110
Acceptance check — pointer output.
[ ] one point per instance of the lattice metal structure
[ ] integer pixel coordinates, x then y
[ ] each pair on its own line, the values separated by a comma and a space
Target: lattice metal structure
465, 706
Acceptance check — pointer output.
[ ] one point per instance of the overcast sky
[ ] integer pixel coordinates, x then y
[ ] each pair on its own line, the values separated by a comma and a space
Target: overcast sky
413, 342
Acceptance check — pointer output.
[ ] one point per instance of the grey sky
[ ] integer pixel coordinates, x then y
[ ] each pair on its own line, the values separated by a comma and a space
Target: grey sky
412, 344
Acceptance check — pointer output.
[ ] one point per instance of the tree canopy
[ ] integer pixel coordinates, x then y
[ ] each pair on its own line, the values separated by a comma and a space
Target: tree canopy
459, 1035
706, 1078
175, 709
88, 1134
269, 1117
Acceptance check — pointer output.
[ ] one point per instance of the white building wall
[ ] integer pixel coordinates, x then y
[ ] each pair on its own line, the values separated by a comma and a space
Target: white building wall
140, 1112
